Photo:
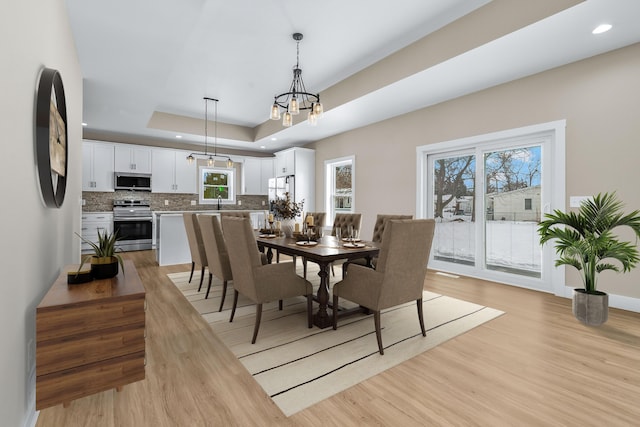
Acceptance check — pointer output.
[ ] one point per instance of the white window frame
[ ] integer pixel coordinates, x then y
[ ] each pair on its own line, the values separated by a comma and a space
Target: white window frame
329, 166
552, 278
230, 172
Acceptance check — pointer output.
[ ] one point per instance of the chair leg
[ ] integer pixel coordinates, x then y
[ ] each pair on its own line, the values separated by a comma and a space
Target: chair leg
376, 320
201, 278
304, 267
345, 265
193, 266
310, 310
257, 326
209, 286
421, 317
335, 312
235, 303
280, 305
333, 272
224, 294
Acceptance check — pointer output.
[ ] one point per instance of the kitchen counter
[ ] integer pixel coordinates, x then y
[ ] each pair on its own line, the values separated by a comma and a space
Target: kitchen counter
172, 246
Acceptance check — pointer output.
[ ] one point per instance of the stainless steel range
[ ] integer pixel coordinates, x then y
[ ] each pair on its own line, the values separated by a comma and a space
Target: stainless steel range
133, 221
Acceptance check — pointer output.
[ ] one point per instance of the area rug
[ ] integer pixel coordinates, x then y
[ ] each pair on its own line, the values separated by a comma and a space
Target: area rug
298, 366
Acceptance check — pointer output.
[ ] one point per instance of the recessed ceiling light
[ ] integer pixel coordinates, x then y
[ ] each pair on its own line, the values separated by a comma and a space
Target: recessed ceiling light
178, 136
274, 139
602, 28
262, 146
84, 124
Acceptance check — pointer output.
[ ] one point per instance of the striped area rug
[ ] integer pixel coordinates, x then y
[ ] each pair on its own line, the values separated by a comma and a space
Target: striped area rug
298, 366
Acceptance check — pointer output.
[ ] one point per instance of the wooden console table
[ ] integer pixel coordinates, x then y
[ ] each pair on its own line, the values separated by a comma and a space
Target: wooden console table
89, 337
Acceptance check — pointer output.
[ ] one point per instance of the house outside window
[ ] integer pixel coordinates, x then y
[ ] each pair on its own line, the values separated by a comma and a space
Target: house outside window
527, 204
216, 185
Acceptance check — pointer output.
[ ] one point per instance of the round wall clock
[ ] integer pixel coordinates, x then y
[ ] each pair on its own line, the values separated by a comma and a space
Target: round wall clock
51, 137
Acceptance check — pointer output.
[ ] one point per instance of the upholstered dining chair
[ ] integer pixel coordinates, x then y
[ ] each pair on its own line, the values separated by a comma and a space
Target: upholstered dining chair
259, 282
216, 251
343, 221
196, 245
378, 230
398, 276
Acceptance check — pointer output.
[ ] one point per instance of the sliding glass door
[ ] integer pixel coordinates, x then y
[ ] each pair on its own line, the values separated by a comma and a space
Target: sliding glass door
488, 196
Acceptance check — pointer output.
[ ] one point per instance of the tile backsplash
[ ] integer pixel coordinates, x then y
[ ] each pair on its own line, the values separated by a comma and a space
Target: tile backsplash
103, 201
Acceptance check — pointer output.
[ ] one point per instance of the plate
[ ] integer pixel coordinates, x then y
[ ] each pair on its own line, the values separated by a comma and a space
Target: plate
353, 245
267, 236
346, 239
305, 243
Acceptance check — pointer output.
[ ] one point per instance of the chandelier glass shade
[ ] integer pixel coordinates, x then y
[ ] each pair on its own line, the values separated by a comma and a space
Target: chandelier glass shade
297, 98
210, 157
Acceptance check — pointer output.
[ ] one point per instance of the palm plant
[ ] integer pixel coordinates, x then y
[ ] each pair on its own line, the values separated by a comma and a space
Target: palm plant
105, 248
585, 240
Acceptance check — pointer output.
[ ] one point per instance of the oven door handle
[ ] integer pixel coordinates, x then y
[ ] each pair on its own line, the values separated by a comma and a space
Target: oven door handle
133, 218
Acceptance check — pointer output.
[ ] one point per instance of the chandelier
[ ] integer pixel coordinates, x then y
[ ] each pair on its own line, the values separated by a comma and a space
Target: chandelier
297, 98
210, 157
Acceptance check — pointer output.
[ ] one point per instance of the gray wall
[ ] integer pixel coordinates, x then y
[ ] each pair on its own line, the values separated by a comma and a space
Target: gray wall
38, 241
598, 97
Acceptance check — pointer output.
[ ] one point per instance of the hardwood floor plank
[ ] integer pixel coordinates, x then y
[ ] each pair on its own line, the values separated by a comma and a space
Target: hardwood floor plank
535, 365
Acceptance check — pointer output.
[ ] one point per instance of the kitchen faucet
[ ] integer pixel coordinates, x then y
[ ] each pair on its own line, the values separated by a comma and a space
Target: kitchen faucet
219, 200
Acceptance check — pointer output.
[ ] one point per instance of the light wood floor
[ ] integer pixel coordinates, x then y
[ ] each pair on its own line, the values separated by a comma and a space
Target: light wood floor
535, 365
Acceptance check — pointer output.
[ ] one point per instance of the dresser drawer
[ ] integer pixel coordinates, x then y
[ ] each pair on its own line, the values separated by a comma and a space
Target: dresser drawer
73, 319
64, 353
70, 384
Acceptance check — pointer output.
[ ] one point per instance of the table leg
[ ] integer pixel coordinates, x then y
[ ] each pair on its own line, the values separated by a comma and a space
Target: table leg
321, 319
269, 255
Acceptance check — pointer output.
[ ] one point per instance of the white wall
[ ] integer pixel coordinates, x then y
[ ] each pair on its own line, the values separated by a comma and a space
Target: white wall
37, 241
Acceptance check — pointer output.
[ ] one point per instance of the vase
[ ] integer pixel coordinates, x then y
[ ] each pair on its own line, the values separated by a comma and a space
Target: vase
104, 268
287, 226
590, 309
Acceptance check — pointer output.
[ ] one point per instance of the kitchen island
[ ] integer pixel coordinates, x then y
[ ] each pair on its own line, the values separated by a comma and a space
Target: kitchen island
172, 246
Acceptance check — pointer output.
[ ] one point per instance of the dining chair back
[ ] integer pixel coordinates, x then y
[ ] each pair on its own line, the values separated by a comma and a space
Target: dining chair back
344, 220
196, 244
260, 282
398, 276
216, 250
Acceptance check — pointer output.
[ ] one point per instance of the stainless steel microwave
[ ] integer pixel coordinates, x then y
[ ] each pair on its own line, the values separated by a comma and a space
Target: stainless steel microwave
132, 181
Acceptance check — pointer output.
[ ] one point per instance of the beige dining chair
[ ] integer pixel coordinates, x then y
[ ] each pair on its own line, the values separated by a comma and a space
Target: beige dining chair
216, 251
259, 282
343, 221
196, 245
378, 230
398, 276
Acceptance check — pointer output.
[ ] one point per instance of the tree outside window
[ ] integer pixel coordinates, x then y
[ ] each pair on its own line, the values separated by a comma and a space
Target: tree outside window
216, 184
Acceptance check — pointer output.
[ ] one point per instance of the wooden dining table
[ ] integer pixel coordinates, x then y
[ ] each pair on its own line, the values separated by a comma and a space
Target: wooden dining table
327, 250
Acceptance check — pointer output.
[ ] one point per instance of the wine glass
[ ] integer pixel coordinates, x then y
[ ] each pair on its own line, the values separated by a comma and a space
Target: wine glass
350, 232
338, 233
309, 234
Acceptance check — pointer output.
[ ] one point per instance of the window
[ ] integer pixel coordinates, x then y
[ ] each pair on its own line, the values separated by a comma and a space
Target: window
339, 189
487, 194
216, 185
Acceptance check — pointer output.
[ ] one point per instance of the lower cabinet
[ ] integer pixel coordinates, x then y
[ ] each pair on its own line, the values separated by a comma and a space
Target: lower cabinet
89, 337
92, 223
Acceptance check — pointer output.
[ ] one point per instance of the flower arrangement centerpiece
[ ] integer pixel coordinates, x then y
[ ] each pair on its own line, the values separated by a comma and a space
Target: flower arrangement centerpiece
286, 211
286, 208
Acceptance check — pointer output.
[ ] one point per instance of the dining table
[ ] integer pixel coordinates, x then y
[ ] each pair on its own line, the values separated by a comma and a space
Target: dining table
323, 251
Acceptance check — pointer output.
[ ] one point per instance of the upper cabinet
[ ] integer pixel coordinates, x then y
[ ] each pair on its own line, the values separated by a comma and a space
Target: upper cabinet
172, 173
132, 158
97, 166
257, 172
285, 163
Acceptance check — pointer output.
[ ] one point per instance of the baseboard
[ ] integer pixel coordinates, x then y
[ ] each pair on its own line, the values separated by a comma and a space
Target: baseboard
615, 301
32, 414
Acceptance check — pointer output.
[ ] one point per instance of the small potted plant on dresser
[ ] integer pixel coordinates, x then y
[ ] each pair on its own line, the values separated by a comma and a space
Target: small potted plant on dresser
586, 240
104, 260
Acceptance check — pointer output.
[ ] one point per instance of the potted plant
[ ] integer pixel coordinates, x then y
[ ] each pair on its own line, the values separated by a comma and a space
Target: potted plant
586, 240
104, 260
286, 211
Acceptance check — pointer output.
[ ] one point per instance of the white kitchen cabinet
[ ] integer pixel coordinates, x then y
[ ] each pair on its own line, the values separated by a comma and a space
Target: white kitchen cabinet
92, 223
171, 173
132, 158
285, 162
257, 172
97, 166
